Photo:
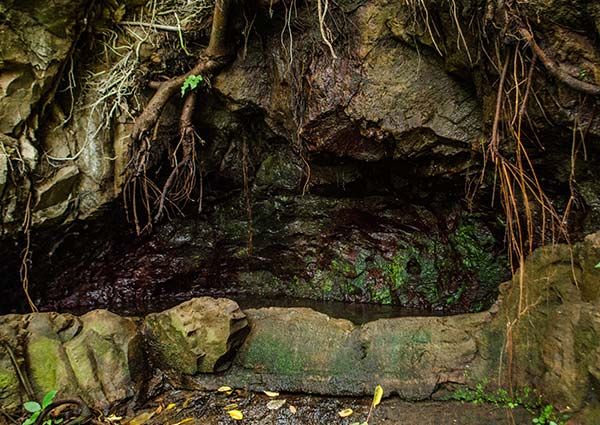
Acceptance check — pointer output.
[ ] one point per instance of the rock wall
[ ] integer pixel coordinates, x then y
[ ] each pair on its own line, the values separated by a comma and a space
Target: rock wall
355, 168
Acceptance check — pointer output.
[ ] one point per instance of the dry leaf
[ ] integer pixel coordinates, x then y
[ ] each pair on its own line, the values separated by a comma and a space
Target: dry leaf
345, 413
159, 409
292, 409
230, 406
187, 402
185, 421
275, 404
225, 389
271, 393
140, 419
236, 414
378, 395
113, 418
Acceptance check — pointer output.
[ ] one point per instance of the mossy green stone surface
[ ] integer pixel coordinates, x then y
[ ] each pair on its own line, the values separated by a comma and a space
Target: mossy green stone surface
198, 336
301, 341
49, 365
10, 387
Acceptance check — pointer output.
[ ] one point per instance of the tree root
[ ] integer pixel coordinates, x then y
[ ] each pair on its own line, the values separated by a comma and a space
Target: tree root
181, 181
555, 70
85, 417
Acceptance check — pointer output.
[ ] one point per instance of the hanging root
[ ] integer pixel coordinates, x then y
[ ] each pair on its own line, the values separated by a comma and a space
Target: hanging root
184, 172
322, 6
24, 272
182, 180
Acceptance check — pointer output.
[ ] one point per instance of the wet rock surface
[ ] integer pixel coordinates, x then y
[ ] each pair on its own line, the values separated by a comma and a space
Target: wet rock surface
547, 325
375, 249
354, 189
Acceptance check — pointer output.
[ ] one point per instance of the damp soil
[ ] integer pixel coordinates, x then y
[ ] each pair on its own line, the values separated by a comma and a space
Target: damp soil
211, 408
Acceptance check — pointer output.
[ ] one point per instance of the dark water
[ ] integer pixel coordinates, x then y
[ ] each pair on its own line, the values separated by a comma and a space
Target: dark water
355, 312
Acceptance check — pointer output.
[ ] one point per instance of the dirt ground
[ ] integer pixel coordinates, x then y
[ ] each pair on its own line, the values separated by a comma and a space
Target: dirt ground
179, 407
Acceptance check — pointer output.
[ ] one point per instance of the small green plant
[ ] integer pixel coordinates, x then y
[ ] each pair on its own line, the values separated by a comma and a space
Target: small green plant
36, 409
525, 398
597, 266
546, 416
584, 74
191, 83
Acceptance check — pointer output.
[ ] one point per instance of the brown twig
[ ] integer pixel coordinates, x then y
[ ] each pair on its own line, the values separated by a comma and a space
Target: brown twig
84, 417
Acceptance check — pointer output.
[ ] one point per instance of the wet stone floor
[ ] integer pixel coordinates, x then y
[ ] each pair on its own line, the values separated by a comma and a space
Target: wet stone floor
214, 408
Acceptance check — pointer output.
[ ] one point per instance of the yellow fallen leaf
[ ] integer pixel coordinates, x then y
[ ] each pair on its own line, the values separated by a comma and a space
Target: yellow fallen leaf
378, 395
113, 418
236, 414
292, 409
187, 402
224, 389
141, 419
271, 393
345, 413
186, 420
170, 406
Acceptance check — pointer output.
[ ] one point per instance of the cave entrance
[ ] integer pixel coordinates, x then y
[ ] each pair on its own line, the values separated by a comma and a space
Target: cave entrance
369, 240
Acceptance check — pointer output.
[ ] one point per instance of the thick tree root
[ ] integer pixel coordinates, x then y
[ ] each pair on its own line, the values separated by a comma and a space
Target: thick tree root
181, 181
555, 69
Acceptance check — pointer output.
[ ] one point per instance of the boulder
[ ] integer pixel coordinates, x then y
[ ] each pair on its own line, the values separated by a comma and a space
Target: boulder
197, 336
553, 319
98, 357
379, 99
301, 350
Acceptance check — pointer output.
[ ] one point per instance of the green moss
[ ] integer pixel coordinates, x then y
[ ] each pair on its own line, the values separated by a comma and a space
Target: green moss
44, 359
475, 246
7, 381
272, 354
401, 353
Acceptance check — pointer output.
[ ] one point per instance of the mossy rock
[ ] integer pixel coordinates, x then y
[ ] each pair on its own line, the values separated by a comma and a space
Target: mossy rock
200, 335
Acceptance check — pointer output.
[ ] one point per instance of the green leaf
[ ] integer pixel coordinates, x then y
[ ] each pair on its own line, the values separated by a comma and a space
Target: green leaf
190, 83
32, 419
32, 406
48, 398
597, 266
59, 420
